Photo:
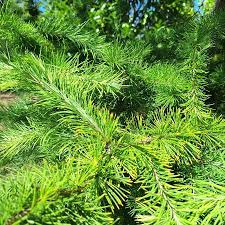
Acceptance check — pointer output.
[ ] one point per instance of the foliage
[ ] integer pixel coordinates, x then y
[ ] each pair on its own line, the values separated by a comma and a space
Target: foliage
127, 19
101, 134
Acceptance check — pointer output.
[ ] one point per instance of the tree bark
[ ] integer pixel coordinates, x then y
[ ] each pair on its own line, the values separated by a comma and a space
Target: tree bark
219, 5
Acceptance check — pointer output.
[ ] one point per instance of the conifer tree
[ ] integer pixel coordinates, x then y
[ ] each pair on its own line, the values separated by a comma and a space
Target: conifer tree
98, 134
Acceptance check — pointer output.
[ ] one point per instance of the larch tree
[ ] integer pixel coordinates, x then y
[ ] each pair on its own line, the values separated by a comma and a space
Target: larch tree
99, 134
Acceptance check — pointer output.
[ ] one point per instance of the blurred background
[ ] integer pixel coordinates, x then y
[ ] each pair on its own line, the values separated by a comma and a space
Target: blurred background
123, 18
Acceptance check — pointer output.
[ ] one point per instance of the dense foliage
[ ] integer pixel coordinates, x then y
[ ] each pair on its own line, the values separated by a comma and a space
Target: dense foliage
100, 132
128, 18
112, 18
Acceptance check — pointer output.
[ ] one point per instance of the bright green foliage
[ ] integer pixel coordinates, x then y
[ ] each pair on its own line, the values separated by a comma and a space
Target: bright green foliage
123, 18
101, 135
129, 18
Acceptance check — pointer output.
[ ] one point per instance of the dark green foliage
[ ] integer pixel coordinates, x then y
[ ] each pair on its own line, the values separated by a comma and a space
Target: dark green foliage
101, 134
